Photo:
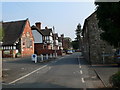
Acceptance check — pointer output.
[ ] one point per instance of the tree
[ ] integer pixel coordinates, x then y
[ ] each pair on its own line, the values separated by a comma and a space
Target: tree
75, 45
78, 35
1, 33
108, 14
67, 43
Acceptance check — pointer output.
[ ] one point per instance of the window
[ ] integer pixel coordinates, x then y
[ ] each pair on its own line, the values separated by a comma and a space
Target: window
28, 42
14, 47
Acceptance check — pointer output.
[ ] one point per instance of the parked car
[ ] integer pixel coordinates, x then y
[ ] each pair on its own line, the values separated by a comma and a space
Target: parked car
69, 51
117, 56
78, 50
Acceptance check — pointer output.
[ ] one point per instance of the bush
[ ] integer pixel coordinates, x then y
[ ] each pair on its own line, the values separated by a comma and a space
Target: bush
115, 80
18, 54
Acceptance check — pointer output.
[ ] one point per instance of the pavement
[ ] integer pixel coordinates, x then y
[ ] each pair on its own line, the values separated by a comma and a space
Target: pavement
104, 72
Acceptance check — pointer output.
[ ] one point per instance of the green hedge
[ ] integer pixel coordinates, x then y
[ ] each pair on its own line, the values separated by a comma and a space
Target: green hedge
115, 80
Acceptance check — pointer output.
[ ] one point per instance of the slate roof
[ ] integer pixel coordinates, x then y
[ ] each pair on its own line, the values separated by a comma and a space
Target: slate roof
55, 35
59, 39
12, 31
36, 28
46, 32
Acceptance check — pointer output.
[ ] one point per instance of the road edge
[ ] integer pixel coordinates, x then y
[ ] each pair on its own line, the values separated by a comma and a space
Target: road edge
99, 77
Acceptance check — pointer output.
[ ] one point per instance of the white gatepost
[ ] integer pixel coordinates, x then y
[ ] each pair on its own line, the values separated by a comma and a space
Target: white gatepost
53, 55
56, 55
41, 57
50, 55
46, 56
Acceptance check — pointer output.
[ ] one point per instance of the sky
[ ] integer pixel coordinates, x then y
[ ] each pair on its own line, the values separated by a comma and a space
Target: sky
64, 16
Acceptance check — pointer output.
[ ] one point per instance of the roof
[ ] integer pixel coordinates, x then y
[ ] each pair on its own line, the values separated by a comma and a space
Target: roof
36, 28
86, 20
55, 35
46, 32
12, 31
59, 39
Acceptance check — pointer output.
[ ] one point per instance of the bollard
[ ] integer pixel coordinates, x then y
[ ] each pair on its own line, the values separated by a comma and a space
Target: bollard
34, 58
53, 55
46, 56
56, 55
41, 57
50, 55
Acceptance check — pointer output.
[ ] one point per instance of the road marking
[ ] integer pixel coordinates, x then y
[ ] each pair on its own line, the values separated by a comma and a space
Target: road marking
83, 81
27, 74
61, 57
79, 62
6, 69
81, 72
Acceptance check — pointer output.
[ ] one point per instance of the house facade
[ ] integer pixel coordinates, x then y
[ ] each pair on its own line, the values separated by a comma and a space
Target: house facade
46, 42
56, 44
17, 38
43, 39
95, 50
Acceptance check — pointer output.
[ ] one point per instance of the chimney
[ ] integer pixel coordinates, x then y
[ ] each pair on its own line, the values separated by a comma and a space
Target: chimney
38, 24
46, 28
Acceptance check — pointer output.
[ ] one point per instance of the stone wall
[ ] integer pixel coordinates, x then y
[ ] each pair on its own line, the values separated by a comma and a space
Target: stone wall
95, 50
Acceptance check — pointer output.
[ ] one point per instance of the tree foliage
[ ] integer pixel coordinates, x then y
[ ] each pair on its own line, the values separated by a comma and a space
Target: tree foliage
78, 32
1, 34
76, 42
108, 14
75, 45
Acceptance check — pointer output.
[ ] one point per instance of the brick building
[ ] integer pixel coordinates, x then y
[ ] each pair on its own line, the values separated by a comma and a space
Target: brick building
95, 50
66, 42
17, 38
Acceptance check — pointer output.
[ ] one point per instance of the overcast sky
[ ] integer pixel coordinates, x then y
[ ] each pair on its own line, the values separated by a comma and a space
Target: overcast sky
64, 16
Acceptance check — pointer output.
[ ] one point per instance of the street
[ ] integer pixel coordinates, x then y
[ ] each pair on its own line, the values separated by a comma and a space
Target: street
70, 71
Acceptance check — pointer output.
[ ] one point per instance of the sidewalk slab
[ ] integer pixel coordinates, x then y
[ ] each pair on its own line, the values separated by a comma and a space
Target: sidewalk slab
105, 71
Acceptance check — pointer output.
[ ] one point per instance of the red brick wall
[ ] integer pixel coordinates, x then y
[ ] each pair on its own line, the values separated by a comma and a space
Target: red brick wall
38, 47
40, 50
27, 51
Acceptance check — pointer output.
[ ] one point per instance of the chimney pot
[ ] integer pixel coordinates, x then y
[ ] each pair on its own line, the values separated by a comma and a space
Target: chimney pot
38, 24
46, 27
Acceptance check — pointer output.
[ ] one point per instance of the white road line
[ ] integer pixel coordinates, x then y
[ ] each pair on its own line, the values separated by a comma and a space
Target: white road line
27, 74
61, 57
83, 81
81, 72
79, 62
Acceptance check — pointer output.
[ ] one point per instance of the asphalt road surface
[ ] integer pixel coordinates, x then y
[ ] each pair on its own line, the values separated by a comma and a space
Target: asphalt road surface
70, 71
